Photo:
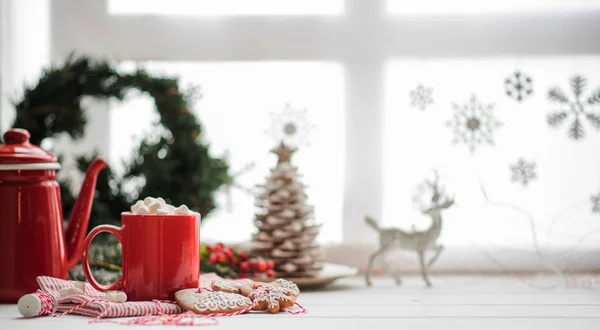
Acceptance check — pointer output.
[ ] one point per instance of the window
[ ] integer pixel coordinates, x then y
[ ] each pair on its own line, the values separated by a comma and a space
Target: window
566, 171
238, 99
353, 64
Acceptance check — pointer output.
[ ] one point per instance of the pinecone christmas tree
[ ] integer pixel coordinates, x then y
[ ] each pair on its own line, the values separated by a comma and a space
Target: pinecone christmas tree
286, 228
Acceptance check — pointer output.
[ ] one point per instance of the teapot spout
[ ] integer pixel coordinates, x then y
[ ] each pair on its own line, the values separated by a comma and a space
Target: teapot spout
80, 216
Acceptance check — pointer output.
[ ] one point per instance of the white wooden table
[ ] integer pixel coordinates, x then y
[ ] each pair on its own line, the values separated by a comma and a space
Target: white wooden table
481, 303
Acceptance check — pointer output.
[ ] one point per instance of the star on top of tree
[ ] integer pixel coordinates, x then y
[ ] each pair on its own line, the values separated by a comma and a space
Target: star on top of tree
284, 152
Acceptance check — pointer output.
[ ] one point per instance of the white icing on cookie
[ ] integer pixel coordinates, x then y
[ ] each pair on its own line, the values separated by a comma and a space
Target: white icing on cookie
273, 296
288, 287
217, 301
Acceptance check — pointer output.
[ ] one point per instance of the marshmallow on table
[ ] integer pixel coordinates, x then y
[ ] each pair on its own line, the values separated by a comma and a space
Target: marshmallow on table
70, 291
80, 285
115, 296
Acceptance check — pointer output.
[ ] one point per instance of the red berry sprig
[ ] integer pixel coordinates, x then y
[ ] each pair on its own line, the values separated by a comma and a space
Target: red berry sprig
257, 268
229, 263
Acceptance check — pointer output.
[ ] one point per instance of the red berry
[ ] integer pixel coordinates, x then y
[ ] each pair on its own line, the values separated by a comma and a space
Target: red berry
262, 266
209, 248
230, 260
270, 273
252, 264
244, 266
270, 264
242, 256
212, 259
228, 252
221, 257
219, 247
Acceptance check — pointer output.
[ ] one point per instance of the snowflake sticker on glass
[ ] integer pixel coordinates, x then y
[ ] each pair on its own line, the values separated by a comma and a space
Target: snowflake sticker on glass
421, 97
518, 86
595, 199
576, 110
290, 126
523, 172
474, 123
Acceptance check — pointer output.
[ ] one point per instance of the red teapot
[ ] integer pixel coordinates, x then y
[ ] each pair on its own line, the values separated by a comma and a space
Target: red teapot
32, 240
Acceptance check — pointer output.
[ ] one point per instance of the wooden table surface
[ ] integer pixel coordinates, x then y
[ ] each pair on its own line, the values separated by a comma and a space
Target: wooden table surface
482, 303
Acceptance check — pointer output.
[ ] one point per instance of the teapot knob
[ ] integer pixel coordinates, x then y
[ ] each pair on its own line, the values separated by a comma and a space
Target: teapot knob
16, 136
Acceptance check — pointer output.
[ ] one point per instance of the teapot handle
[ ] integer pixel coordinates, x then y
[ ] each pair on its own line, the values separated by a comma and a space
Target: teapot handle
118, 285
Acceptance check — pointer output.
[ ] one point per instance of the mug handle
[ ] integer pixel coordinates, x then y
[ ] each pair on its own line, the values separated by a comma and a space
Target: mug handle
118, 285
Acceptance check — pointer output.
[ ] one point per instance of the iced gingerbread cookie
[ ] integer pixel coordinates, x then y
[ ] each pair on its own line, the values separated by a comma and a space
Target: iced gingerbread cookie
208, 302
230, 287
271, 299
289, 288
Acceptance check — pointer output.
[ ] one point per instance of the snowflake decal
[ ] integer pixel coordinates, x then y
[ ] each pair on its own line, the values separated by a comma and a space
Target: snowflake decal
523, 172
595, 199
290, 126
518, 86
577, 110
421, 97
473, 123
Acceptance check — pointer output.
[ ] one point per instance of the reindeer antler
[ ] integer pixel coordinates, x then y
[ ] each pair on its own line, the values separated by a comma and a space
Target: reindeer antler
439, 198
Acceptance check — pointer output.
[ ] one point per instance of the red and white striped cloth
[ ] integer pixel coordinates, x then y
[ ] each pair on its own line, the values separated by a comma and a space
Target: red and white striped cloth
93, 304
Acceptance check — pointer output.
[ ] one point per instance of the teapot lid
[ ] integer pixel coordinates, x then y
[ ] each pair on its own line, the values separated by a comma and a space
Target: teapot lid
17, 151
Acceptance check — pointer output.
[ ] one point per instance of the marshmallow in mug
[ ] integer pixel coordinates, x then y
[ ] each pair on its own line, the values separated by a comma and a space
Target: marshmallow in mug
158, 206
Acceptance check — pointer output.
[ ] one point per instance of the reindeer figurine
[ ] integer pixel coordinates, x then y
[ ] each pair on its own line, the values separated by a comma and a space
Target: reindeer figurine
418, 241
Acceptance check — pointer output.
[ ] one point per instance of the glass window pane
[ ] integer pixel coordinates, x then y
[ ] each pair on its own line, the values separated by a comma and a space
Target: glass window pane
235, 110
226, 7
567, 171
406, 7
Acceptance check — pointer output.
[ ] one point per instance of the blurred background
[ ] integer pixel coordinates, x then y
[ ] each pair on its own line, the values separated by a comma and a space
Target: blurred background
501, 97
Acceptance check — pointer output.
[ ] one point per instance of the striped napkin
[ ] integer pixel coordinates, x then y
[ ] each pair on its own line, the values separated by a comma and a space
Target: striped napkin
92, 303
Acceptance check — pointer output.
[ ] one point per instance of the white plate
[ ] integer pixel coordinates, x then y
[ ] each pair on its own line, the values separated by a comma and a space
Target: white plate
327, 275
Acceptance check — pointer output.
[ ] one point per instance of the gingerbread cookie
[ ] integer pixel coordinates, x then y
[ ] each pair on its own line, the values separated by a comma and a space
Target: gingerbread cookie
289, 288
271, 299
224, 286
209, 302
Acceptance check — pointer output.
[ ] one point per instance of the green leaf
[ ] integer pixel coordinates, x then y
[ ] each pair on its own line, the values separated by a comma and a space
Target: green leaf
594, 119
556, 118
578, 85
556, 94
576, 131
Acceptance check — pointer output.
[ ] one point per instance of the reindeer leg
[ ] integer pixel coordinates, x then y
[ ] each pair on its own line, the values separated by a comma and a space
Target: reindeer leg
424, 268
394, 275
438, 251
370, 265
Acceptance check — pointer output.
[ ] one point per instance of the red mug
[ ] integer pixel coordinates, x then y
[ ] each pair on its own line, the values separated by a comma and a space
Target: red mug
161, 255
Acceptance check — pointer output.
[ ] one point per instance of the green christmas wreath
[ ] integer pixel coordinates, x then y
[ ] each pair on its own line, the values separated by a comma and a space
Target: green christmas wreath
178, 167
